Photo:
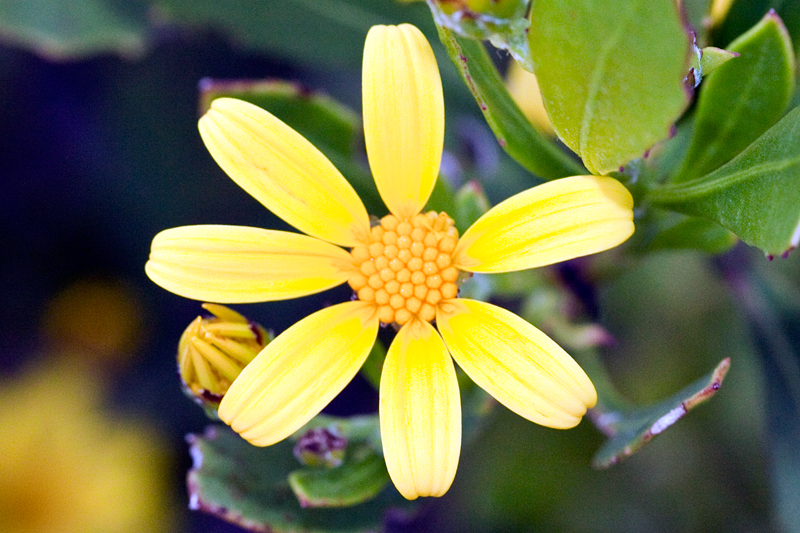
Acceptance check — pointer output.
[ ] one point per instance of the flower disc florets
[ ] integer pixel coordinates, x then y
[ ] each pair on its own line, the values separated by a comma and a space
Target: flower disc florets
406, 267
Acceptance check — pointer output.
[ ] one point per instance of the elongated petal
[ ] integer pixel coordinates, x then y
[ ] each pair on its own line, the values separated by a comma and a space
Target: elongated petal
516, 363
403, 116
556, 221
237, 264
299, 373
420, 412
283, 171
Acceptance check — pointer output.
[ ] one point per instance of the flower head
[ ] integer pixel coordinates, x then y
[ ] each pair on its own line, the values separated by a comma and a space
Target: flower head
404, 270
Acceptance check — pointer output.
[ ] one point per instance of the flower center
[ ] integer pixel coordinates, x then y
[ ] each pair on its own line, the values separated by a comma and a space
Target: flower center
406, 269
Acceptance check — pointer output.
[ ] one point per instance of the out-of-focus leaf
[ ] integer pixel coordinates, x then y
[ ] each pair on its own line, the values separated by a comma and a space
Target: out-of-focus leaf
771, 306
743, 14
697, 15
470, 204
611, 74
247, 486
75, 29
514, 132
742, 99
310, 31
694, 233
504, 23
756, 195
629, 428
327, 124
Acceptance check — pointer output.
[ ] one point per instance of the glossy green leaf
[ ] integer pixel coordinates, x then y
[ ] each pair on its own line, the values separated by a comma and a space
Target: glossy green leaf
611, 74
756, 195
514, 131
330, 126
628, 427
742, 99
75, 29
247, 486
771, 307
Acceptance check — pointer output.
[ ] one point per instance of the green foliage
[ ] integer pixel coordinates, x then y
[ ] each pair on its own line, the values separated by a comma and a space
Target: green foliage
630, 427
248, 486
756, 195
742, 99
64, 30
611, 79
514, 132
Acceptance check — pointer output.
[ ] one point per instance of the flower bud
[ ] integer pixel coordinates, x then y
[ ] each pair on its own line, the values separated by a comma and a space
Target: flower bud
321, 447
214, 350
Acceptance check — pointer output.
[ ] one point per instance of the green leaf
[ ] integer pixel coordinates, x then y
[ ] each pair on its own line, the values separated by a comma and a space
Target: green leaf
470, 204
712, 58
354, 482
744, 13
75, 29
629, 428
330, 33
694, 234
756, 195
247, 486
330, 126
771, 306
611, 74
514, 131
742, 99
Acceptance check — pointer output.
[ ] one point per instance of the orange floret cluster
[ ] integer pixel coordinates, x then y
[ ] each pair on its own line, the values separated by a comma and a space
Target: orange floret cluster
406, 268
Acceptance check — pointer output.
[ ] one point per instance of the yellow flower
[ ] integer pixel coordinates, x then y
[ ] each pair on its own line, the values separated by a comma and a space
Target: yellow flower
404, 270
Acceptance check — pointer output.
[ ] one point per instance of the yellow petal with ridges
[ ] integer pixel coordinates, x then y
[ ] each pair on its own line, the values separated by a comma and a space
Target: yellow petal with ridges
299, 373
420, 412
516, 363
555, 221
238, 264
282, 170
403, 116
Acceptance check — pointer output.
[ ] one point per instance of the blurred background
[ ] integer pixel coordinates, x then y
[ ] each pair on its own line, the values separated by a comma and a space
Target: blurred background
99, 151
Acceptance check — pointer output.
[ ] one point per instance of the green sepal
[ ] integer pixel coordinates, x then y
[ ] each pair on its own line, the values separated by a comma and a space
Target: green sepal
611, 74
516, 135
742, 99
756, 195
330, 126
629, 428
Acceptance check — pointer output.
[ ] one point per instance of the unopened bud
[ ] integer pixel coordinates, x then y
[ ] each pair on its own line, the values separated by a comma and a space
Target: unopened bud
321, 447
214, 350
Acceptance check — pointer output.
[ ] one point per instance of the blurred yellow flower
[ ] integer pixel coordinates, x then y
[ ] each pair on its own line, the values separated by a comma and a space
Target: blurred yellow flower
524, 89
66, 467
404, 270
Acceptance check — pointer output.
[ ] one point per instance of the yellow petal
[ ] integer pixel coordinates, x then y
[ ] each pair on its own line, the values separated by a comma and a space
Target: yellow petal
283, 171
237, 264
403, 116
299, 373
516, 363
556, 221
420, 412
